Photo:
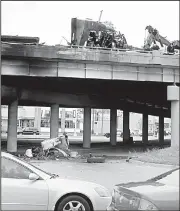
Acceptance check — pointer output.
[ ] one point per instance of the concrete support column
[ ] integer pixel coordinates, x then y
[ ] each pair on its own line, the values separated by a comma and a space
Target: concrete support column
145, 129
54, 121
161, 130
113, 127
126, 134
12, 127
37, 120
87, 128
173, 96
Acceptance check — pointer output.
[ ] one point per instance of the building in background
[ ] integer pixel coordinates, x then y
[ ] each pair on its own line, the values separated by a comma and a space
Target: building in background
71, 120
27, 117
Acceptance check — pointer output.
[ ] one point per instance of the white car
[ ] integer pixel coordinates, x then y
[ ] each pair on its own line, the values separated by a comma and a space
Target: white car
26, 187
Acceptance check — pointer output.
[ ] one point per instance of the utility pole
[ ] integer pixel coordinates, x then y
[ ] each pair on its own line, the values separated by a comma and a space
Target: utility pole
102, 121
100, 16
63, 120
75, 121
93, 121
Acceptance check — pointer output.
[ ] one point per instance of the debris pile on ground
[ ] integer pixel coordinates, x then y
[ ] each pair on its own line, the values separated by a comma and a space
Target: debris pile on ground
53, 149
95, 159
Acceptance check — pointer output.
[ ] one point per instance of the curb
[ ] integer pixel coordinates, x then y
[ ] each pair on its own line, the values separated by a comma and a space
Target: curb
155, 164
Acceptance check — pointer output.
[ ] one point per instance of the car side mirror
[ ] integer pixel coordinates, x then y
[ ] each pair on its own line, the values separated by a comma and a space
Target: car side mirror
33, 176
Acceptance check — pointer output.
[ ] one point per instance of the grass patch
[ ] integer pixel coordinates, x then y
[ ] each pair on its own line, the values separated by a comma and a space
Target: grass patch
168, 156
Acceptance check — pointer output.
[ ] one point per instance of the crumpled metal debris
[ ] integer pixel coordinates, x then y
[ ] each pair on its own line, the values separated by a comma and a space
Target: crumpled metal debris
54, 149
106, 39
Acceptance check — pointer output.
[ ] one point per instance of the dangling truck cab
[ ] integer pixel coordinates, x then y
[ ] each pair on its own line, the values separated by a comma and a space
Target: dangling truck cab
154, 36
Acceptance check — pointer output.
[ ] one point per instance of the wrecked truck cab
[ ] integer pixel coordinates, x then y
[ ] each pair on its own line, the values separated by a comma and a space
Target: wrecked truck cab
56, 146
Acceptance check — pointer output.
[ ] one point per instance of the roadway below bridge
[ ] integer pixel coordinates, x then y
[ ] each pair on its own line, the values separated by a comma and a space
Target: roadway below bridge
99, 145
76, 140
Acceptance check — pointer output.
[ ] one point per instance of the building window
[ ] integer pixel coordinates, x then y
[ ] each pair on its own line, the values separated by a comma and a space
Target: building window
166, 125
69, 124
45, 123
69, 114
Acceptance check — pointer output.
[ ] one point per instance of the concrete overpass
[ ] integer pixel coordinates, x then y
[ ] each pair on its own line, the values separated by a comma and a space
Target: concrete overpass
39, 75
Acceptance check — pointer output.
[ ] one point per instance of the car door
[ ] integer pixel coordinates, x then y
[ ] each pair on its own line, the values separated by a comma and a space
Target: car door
18, 192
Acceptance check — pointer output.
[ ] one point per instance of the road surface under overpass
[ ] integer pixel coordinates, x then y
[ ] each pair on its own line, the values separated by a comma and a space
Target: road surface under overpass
37, 75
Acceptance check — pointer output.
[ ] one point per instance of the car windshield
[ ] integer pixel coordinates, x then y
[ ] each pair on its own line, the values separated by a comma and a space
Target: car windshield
168, 177
46, 174
49, 174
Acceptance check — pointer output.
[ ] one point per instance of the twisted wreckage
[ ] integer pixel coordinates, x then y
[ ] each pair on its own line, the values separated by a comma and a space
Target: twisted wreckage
154, 36
56, 148
53, 148
96, 34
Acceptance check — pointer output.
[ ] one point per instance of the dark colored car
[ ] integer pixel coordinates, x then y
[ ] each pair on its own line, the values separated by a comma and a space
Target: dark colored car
158, 193
30, 131
107, 135
119, 133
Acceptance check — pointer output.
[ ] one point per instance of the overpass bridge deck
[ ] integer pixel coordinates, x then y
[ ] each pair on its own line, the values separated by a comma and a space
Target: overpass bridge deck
53, 61
26, 68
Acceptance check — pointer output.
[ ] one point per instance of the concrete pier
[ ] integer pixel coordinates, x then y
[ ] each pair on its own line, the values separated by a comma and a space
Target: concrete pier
87, 128
145, 129
126, 134
54, 121
12, 127
113, 127
173, 96
161, 130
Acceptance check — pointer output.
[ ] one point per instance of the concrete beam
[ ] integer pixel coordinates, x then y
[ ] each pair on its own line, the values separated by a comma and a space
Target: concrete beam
19, 39
7, 91
65, 53
12, 126
157, 93
89, 70
141, 108
113, 127
41, 98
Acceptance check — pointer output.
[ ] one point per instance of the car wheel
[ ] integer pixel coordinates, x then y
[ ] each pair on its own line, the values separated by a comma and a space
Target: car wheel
73, 203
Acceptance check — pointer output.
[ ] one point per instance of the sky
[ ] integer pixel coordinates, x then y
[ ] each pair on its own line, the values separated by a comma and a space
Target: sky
50, 20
